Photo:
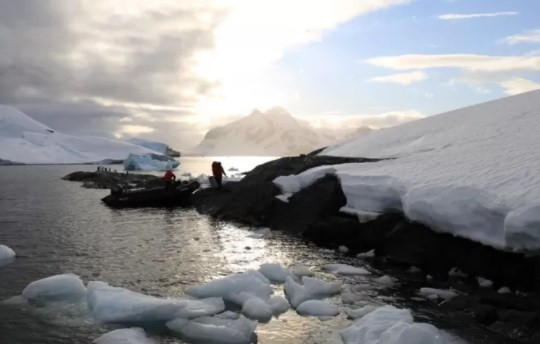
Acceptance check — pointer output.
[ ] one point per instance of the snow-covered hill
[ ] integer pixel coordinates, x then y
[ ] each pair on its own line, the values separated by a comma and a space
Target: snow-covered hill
271, 133
25, 140
473, 172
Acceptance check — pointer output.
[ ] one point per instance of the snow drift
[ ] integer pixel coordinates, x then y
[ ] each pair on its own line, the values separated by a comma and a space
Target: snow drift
25, 140
472, 172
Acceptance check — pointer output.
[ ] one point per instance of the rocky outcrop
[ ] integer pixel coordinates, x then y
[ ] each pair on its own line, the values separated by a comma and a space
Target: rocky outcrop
106, 180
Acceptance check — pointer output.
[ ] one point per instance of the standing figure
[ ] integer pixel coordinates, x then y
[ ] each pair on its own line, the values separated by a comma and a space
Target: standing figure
169, 178
218, 172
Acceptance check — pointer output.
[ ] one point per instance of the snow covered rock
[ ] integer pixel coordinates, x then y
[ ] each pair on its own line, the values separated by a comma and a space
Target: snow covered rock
389, 325
58, 288
317, 308
344, 269
149, 162
257, 309
7, 255
237, 288
442, 293
119, 305
215, 329
446, 172
311, 288
25, 140
133, 335
274, 272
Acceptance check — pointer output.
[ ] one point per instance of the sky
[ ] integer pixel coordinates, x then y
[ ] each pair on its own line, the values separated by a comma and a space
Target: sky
172, 69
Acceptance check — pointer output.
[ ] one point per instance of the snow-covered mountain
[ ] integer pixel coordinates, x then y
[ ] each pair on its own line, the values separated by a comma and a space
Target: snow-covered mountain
472, 172
25, 140
272, 133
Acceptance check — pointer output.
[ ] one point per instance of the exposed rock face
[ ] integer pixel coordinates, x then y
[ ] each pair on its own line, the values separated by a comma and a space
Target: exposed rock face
106, 180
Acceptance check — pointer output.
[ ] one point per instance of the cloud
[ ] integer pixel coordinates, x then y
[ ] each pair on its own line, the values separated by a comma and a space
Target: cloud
402, 78
532, 36
387, 119
457, 16
518, 85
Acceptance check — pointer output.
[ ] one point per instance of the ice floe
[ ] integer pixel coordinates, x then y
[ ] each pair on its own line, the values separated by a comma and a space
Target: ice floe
359, 312
257, 309
215, 329
317, 308
133, 335
274, 272
7, 255
484, 282
311, 288
58, 288
344, 269
278, 305
445, 294
386, 281
301, 270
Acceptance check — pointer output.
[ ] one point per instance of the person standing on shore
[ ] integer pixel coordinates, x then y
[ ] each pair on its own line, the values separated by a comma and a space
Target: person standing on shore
218, 172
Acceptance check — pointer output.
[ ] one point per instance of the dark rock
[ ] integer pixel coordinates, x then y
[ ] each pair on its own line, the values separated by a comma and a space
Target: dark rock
459, 303
107, 180
485, 314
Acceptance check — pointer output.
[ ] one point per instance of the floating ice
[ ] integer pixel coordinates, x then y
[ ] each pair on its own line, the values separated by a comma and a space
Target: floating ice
344, 269
133, 335
7, 255
386, 280
149, 162
257, 309
484, 282
455, 272
504, 290
359, 312
312, 288
414, 270
389, 325
343, 249
65, 288
445, 294
215, 329
301, 270
274, 272
317, 308
236, 288
368, 254
278, 305
284, 197
260, 233
119, 305
351, 298
228, 315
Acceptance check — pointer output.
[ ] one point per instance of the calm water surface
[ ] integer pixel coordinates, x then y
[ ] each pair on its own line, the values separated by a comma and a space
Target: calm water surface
57, 226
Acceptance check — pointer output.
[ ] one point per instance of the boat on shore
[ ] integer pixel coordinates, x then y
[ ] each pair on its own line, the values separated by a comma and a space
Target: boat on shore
179, 194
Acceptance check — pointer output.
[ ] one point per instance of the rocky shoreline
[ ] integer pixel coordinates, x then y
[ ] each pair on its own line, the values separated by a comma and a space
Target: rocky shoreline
314, 213
106, 180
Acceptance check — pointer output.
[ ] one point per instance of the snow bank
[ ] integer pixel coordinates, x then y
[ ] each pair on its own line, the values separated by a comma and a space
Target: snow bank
7, 255
215, 329
469, 172
149, 162
274, 272
236, 288
133, 335
119, 305
311, 288
389, 325
317, 308
344, 269
24, 140
65, 288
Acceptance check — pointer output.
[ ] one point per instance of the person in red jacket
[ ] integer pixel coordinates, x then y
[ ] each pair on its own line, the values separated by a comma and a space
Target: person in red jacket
169, 178
218, 172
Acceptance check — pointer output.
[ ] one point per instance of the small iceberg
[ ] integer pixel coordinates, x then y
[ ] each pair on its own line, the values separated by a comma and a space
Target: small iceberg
133, 335
317, 308
7, 255
58, 288
274, 272
312, 288
149, 162
215, 329
344, 269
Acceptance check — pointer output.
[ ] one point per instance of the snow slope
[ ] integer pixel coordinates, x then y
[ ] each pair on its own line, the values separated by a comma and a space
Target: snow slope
25, 140
272, 133
472, 172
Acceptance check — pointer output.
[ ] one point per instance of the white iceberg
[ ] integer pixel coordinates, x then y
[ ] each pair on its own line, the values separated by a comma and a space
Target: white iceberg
237, 288
445, 171
58, 288
215, 329
317, 308
149, 162
345, 269
311, 288
389, 325
7, 255
133, 335
274, 272
120, 305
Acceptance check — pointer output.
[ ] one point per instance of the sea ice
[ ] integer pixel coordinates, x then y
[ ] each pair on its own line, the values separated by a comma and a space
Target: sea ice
113, 304
368, 254
484, 282
7, 255
278, 305
386, 280
215, 329
236, 288
389, 325
149, 162
359, 312
133, 335
257, 309
504, 290
344, 269
445, 294
317, 308
260, 233
343, 249
312, 288
301, 270
65, 287
455, 272
274, 272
